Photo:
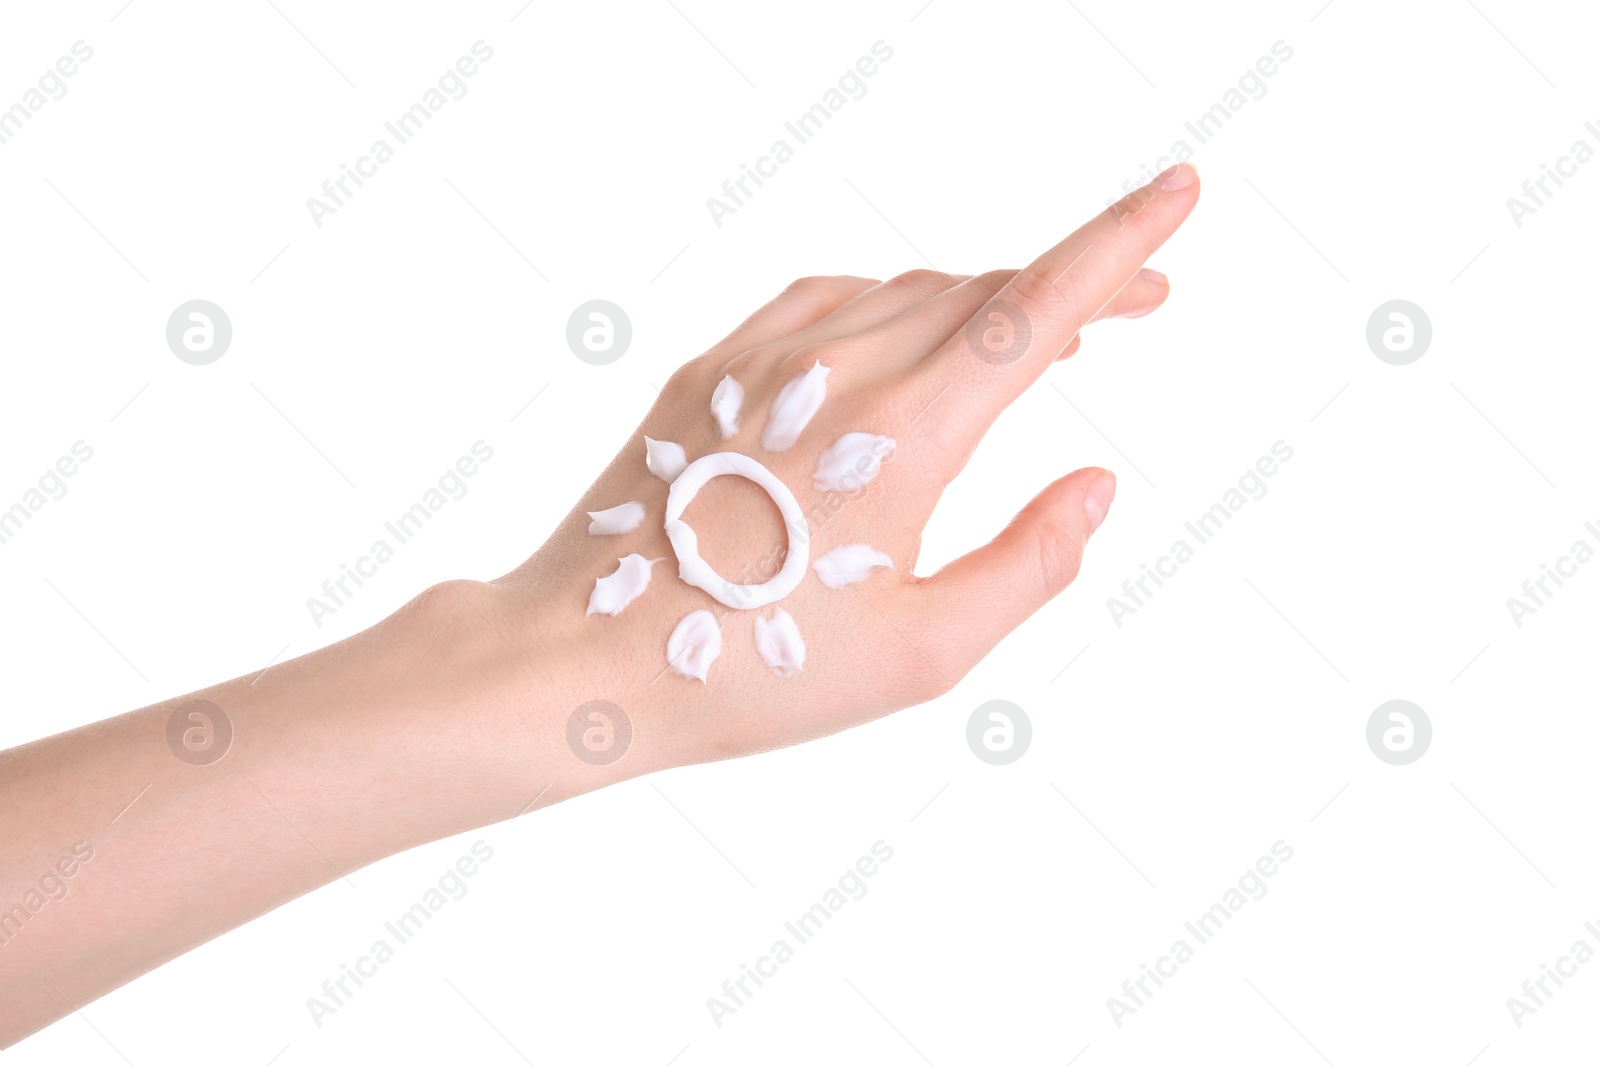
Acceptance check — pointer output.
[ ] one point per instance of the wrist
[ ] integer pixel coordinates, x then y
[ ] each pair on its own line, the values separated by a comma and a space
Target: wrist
505, 672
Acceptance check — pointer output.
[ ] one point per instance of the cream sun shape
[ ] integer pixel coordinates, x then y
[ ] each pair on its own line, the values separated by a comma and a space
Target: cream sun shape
849, 463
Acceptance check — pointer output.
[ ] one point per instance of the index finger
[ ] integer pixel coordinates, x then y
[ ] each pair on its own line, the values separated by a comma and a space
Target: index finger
1010, 341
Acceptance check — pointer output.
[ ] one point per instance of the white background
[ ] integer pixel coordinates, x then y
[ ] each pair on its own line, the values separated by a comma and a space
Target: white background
1226, 715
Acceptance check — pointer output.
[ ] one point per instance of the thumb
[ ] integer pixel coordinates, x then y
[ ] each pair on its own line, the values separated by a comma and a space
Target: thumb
984, 595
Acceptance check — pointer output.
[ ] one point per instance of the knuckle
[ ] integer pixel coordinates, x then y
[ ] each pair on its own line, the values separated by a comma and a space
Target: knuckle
687, 378
1037, 291
754, 359
1050, 296
829, 353
922, 281
994, 280
1060, 552
826, 288
810, 286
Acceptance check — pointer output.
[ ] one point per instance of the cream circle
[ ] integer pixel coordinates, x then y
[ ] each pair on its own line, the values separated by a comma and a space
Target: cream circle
686, 545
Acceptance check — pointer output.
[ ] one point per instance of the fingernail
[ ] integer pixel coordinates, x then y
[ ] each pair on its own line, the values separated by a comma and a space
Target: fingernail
1097, 499
1152, 276
1180, 176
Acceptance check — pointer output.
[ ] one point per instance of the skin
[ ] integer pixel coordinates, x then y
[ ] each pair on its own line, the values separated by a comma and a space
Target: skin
452, 713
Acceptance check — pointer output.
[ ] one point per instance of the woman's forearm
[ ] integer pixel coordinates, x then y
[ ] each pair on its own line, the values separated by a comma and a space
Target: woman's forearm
124, 849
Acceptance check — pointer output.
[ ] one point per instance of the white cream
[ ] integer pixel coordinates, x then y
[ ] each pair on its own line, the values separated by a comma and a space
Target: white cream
779, 643
852, 461
695, 642
793, 408
686, 544
725, 405
624, 518
622, 586
665, 459
849, 564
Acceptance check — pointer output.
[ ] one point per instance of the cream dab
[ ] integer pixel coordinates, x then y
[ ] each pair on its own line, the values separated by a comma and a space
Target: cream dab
793, 408
779, 642
686, 544
622, 586
695, 642
849, 564
725, 405
665, 459
624, 518
852, 461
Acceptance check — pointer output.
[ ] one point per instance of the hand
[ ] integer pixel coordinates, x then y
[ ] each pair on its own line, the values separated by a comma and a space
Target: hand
907, 359
455, 711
